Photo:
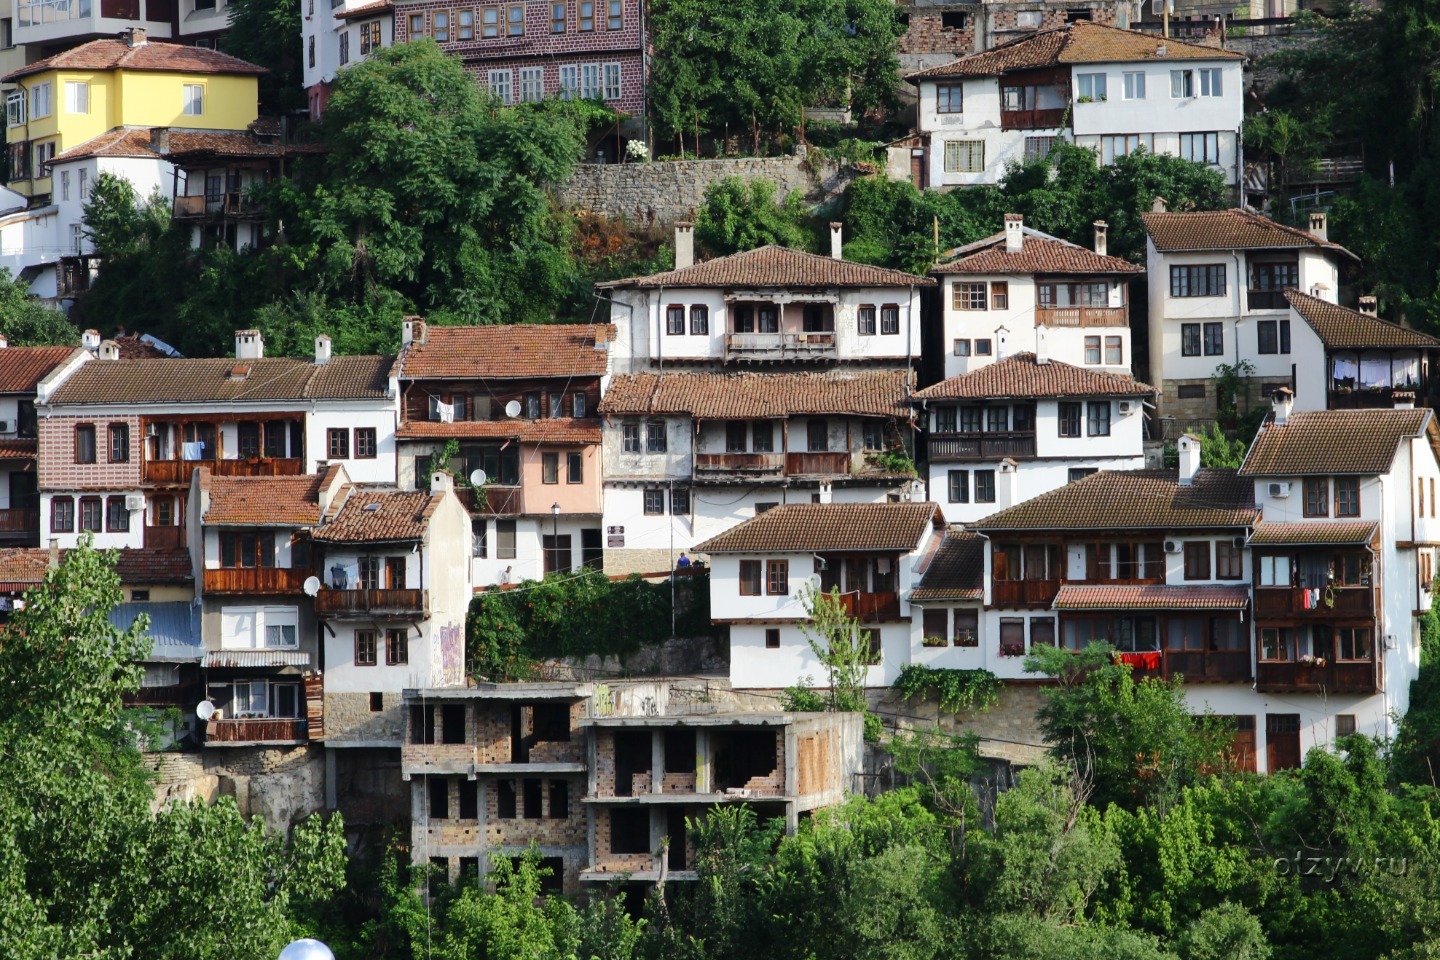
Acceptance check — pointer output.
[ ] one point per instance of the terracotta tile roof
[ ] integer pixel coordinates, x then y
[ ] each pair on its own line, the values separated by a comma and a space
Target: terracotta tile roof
772, 266
134, 348
957, 571
154, 566
18, 448
1153, 596
567, 430
1344, 329
1134, 500
1329, 442
1082, 42
517, 350
380, 515
119, 142
152, 56
1019, 377
1232, 229
21, 567
21, 368
759, 396
208, 379
1315, 532
263, 501
1039, 253
366, 10
815, 527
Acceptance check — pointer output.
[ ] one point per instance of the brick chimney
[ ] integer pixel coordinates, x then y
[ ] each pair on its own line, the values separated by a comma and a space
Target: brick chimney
1369, 306
249, 345
1102, 236
412, 330
684, 245
1188, 447
837, 244
133, 37
1282, 401
160, 139
1014, 233
1318, 226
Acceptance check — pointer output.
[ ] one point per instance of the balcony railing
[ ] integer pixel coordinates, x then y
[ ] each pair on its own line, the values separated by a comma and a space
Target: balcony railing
179, 471
1023, 593
981, 446
233, 204
1082, 316
395, 603
780, 346
871, 607
817, 464
1032, 119
1294, 677
1280, 602
256, 580
1266, 300
164, 538
19, 520
1365, 398
739, 464
1201, 666
257, 730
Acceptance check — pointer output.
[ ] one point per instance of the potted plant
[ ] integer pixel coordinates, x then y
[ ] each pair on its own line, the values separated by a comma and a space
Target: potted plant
933, 642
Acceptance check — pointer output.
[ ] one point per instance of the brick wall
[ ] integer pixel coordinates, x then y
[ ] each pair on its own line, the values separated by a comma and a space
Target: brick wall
1003, 18
926, 32
522, 830
56, 468
607, 862
492, 731
348, 717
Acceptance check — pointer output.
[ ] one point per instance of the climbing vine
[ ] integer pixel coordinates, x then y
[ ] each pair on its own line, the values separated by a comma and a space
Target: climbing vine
955, 689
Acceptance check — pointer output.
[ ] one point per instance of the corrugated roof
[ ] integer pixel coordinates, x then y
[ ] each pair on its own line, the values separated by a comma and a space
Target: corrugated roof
1081, 42
1329, 442
816, 527
174, 628
1153, 596
1233, 229
559, 430
257, 658
773, 266
1134, 500
957, 571
22, 368
1039, 253
263, 501
758, 396
1313, 533
516, 350
369, 516
1020, 377
1341, 328
210, 379
151, 56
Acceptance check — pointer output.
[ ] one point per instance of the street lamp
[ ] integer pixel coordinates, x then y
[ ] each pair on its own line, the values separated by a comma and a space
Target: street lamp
306, 949
555, 534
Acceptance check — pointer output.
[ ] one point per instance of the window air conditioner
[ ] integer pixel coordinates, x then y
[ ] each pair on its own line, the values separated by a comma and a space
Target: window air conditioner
1125, 407
134, 502
1172, 546
1279, 490
1239, 543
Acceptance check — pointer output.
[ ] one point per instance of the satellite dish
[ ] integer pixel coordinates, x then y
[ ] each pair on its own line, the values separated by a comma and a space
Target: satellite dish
205, 710
478, 478
311, 586
307, 949
512, 409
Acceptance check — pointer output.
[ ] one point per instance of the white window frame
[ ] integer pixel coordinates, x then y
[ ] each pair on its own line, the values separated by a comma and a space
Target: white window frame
64, 184
84, 177
1275, 571
975, 148
1114, 146
1210, 82
569, 81
610, 85
77, 96
192, 98
15, 112
532, 84
1134, 84
1182, 84
1209, 138
248, 628
1091, 85
501, 86
589, 81
77, 238
40, 100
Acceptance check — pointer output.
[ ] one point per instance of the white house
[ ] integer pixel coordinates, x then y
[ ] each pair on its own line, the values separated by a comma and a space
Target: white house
1023, 290
1217, 297
1113, 90
1013, 430
336, 34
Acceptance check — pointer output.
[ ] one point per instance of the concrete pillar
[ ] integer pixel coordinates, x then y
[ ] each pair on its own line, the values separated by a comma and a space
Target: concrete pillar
702, 761
331, 789
657, 759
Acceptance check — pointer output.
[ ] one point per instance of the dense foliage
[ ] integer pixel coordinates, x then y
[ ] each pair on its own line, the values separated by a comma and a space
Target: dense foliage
26, 322
954, 690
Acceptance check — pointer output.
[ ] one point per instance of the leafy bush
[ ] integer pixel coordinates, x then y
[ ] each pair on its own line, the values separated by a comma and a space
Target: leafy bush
740, 216
956, 690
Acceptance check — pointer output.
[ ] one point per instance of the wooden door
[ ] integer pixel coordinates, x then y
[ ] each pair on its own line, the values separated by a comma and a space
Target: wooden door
1282, 741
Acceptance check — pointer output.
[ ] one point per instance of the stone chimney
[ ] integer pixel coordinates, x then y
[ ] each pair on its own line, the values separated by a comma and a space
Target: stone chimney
837, 244
1188, 447
684, 245
1014, 233
1369, 306
160, 139
90, 340
54, 553
249, 345
109, 350
412, 330
133, 37
1282, 401
1318, 226
440, 481
1403, 400
322, 348
1102, 237
1158, 205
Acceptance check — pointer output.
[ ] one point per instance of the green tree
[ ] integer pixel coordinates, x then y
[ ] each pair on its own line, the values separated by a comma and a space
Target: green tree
26, 322
835, 638
267, 32
737, 216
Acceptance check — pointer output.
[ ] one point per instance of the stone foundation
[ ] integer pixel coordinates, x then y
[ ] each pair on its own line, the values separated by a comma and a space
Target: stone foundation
1007, 730
348, 717
281, 785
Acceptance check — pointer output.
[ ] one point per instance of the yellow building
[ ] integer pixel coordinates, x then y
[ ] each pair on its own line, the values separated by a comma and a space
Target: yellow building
74, 96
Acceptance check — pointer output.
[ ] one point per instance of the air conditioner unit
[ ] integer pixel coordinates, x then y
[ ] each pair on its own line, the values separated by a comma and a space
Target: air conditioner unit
152, 430
1239, 543
9, 426
1125, 407
1279, 491
1172, 546
134, 502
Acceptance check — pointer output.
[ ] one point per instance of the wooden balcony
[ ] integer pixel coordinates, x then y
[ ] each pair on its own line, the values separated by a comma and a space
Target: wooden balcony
1294, 677
164, 538
178, 472
1082, 316
981, 446
1208, 666
1279, 603
493, 500
738, 465
780, 346
1032, 119
1023, 593
233, 205
184, 695
277, 580
259, 730
373, 603
1367, 398
817, 464
1266, 300
19, 521
872, 607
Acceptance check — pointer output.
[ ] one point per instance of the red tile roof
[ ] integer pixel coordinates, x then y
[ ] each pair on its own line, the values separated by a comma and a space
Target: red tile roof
1082, 42
209, 379
1039, 253
1330, 442
773, 266
567, 430
18, 448
1153, 596
1313, 533
1233, 229
957, 571
151, 56
818, 527
1341, 328
369, 516
21, 368
758, 396
119, 142
262, 501
1020, 377
22, 567
366, 10
517, 350
1134, 500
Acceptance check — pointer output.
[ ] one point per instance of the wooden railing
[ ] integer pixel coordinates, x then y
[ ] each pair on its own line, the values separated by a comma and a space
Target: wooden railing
812, 464
180, 695
373, 602
1082, 316
779, 346
1032, 119
1277, 602
1201, 666
180, 471
272, 729
981, 446
1023, 593
164, 538
232, 204
1294, 677
871, 607
19, 520
710, 464
256, 580
495, 500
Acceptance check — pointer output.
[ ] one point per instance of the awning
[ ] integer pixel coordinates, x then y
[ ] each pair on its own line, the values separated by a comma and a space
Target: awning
174, 629
1154, 596
1313, 534
257, 658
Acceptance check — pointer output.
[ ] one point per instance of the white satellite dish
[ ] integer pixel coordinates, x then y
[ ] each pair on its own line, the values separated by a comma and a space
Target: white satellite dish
311, 586
307, 949
512, 409
205, 710
478, 478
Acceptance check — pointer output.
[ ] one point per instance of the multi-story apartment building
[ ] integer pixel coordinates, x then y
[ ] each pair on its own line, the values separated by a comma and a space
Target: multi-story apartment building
1013, 430
21, 369
1025, 291
336, 34
46, 27
1112, 90
521, 402
1217, 297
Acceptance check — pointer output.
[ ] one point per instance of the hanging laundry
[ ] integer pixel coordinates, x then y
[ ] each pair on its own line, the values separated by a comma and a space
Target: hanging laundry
446, 411
194, 450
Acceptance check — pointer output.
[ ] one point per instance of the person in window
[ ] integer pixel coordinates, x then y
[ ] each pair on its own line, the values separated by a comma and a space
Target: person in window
683, 563
507, 576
